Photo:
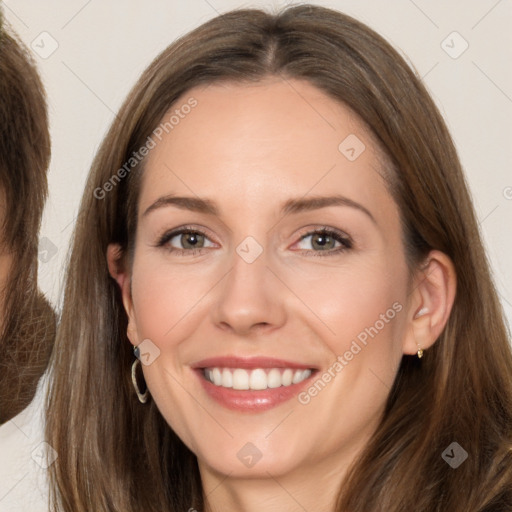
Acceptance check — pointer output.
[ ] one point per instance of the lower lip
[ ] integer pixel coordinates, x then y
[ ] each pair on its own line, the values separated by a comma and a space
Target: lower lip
251, 400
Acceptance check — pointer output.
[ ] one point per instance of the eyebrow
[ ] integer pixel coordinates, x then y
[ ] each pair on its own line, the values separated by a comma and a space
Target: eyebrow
207, 206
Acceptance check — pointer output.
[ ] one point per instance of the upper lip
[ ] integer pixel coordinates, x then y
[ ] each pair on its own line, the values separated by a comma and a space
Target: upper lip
249, 363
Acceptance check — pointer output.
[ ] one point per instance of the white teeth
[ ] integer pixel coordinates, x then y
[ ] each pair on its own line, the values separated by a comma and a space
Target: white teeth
240, 379
274, 378
286, 378
217, 377
297, 377
256, 379
227, 379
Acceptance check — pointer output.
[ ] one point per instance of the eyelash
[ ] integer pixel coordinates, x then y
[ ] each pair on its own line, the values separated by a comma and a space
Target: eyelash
343, 239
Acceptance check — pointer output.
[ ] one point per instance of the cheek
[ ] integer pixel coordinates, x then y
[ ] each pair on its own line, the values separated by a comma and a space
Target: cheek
362, 311
351, 300
168, 306
166, 303
165, 297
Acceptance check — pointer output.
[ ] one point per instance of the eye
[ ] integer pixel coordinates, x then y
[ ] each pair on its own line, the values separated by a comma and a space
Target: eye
190, 241
185, 241
325, 240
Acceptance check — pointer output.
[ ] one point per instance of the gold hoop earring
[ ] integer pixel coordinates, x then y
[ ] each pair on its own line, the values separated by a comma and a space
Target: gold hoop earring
143, 397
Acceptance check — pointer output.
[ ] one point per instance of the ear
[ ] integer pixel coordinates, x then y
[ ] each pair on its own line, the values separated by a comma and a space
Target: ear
431, 302
117, 269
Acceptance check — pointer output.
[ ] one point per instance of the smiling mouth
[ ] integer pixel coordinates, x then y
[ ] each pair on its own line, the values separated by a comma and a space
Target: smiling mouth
255, 379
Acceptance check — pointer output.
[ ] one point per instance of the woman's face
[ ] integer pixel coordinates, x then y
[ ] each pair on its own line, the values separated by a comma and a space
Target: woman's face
293, 262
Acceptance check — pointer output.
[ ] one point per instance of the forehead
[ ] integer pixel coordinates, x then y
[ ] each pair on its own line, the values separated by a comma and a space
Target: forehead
261, 142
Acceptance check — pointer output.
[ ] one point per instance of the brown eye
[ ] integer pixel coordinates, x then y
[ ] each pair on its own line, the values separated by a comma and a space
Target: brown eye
184, 240
324, 240
191, 240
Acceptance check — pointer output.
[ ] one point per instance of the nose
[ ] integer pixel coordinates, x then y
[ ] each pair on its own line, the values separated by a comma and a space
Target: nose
250, 299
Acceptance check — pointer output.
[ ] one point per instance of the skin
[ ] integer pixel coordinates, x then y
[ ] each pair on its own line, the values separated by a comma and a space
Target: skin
249, 149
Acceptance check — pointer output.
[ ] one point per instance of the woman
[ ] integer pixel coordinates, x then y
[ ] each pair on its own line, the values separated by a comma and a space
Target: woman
277, 231
27, 321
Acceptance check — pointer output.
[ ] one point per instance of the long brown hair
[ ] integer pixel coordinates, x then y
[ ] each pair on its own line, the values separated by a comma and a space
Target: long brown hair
28, 320
461, 392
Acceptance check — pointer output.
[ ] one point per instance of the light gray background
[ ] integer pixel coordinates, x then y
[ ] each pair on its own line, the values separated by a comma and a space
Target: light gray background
103, 46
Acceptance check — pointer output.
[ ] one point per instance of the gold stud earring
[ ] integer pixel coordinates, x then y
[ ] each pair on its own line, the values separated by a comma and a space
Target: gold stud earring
421, 312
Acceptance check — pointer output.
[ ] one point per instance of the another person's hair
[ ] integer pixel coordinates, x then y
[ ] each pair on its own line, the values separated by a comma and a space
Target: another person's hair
115, 454
28, 320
